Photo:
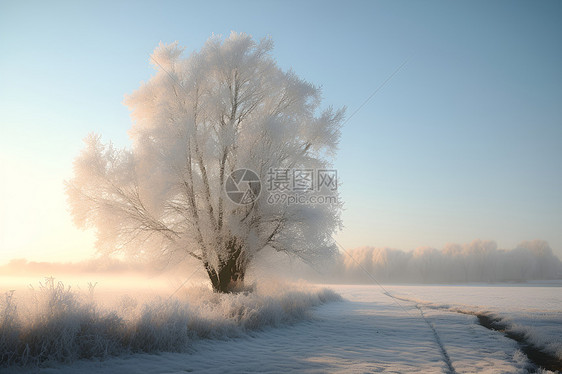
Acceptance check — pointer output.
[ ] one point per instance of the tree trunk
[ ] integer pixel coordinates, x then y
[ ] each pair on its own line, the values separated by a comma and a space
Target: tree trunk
229, 277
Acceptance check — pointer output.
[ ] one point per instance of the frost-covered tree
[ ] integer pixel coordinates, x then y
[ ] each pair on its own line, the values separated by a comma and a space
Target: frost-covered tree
198, 119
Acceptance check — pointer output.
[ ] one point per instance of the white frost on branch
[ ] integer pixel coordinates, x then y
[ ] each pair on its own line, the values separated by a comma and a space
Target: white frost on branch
225, 107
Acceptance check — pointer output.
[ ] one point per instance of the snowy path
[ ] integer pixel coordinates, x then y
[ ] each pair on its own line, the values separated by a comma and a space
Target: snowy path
367, 333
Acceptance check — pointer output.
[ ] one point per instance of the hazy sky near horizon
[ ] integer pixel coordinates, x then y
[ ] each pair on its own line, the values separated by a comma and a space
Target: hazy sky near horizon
465, 142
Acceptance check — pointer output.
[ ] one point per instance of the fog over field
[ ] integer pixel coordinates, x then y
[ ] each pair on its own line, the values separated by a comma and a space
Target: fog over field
477, 261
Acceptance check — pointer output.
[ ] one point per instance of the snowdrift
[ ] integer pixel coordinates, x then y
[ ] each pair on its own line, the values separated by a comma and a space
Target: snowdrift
56, 324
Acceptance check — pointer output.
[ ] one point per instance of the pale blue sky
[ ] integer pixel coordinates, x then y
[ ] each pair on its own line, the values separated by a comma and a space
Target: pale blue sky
465, 142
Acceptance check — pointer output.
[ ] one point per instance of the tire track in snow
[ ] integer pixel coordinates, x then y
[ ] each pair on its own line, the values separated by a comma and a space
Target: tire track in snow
536, 355
442, 350
444, 353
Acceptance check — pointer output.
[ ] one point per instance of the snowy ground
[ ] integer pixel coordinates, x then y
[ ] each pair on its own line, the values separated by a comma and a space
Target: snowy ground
371, 332
534, 310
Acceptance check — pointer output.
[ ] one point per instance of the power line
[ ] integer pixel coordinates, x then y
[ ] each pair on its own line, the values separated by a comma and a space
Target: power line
380, 87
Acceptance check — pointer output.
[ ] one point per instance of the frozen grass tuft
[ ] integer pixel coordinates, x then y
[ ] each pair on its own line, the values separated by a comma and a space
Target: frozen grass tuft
58, 324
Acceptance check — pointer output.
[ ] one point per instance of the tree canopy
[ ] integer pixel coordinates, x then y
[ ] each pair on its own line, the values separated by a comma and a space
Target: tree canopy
197, 120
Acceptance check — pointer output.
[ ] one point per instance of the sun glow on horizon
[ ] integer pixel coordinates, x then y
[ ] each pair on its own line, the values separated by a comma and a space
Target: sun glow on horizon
34, 221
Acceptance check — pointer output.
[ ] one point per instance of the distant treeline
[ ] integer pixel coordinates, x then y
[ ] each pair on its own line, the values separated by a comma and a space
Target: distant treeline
478, 261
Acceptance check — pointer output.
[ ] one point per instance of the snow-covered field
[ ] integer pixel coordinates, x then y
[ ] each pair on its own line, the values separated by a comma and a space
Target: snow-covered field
534, 310
421, 331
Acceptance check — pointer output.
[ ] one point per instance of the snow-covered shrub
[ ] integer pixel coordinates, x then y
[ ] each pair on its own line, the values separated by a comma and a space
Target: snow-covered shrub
57, 324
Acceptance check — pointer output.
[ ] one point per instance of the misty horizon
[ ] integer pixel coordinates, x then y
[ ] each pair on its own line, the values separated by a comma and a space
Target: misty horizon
475, 262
